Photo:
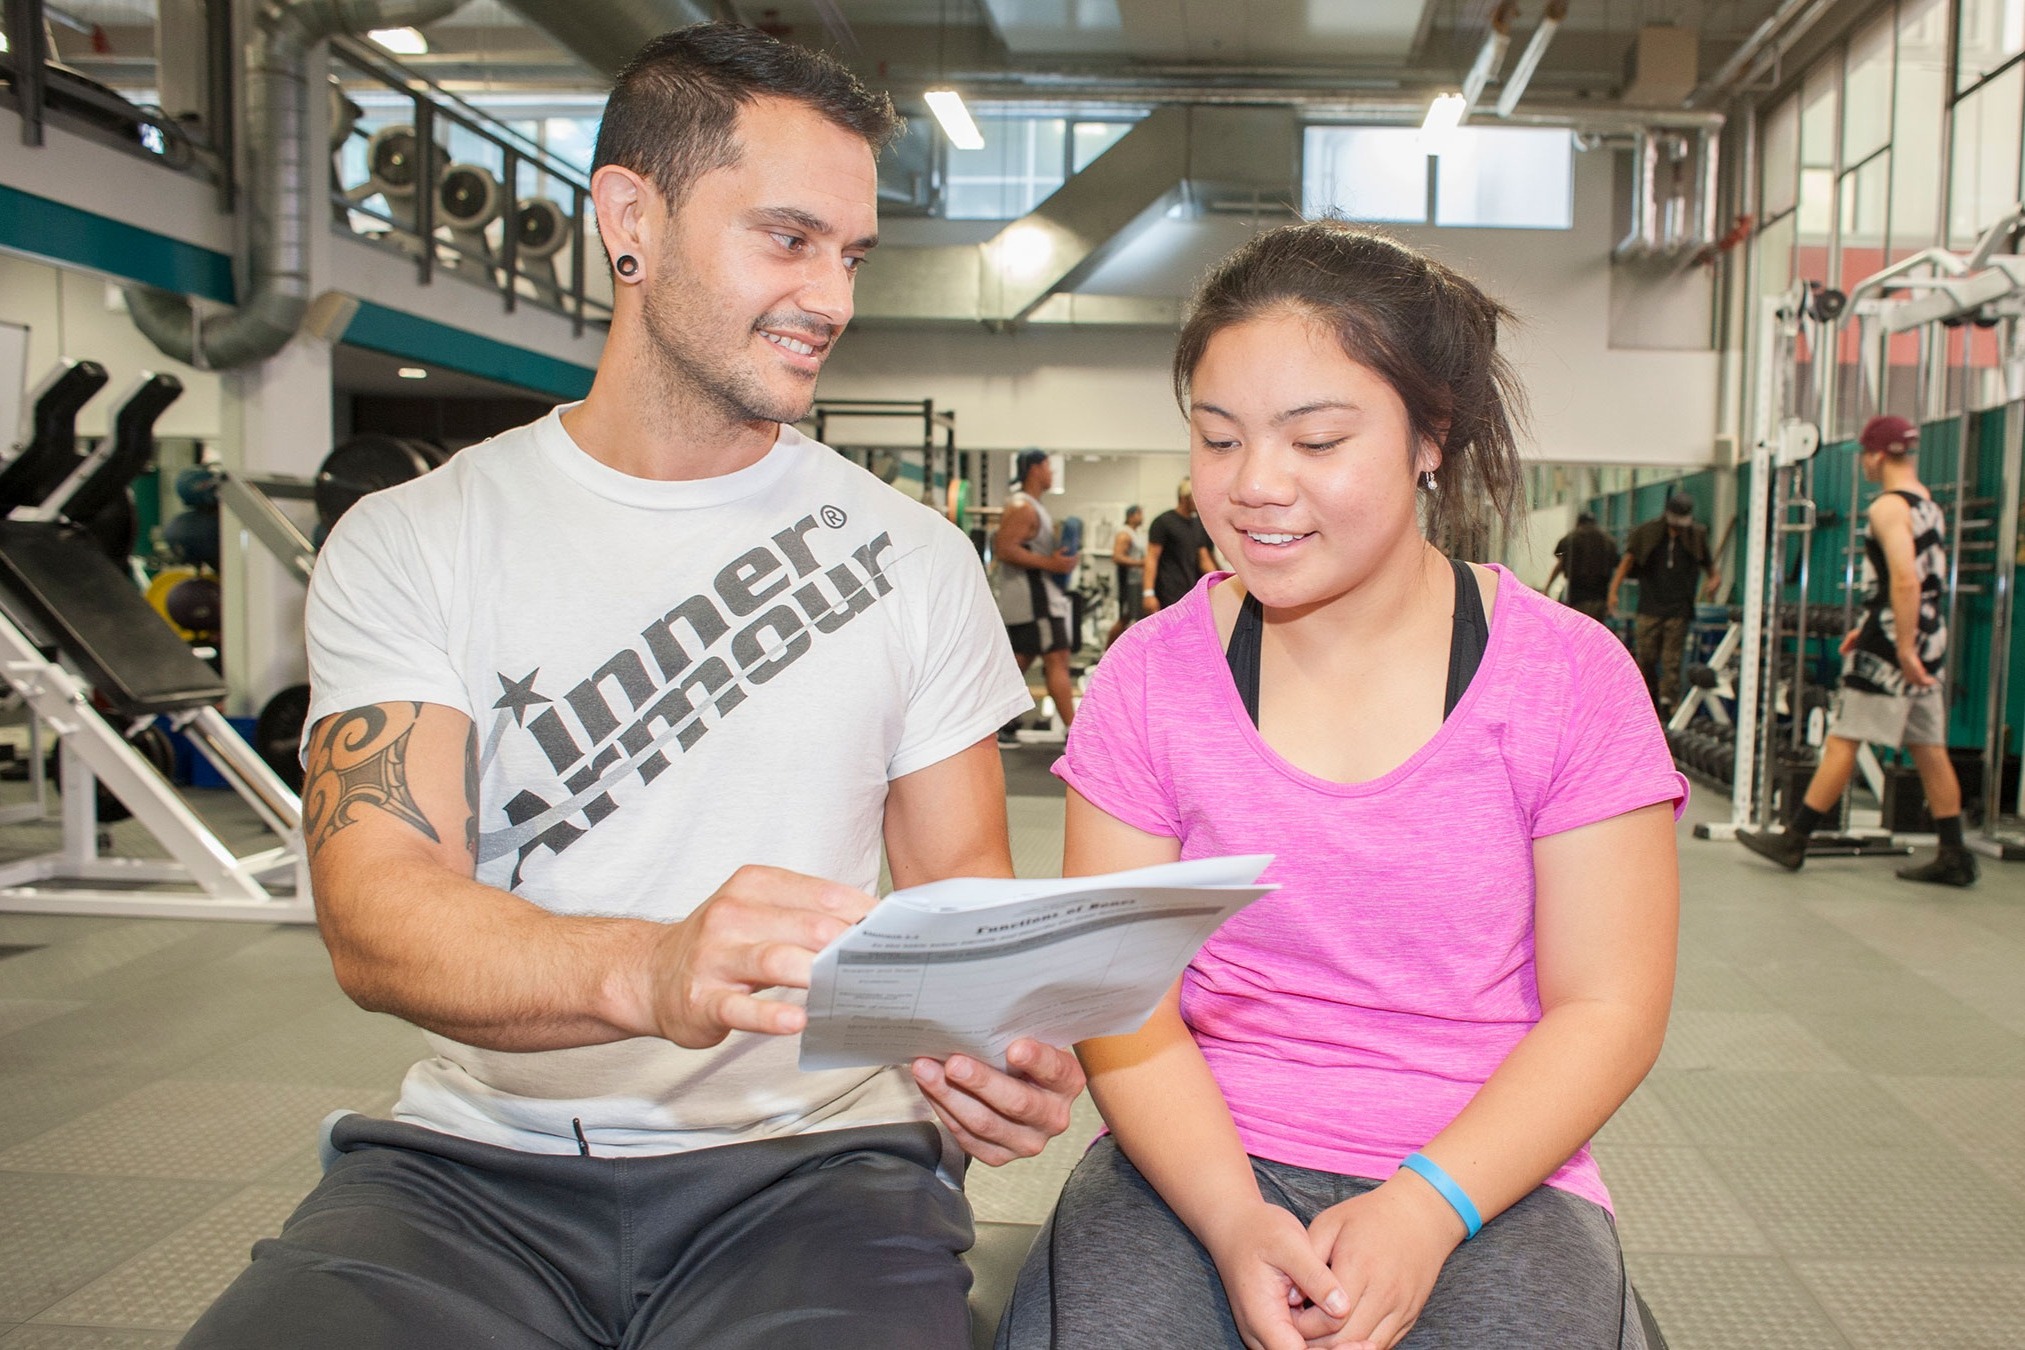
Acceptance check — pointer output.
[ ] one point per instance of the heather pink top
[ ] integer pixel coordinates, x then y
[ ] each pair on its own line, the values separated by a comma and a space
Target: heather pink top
1349, 1016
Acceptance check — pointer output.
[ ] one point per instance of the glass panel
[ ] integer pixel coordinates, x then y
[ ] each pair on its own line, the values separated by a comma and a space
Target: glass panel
1364, 173
1782, 155
1866, 92
1775, 257
1019, 167
1091, 139
1983, 178
1816, 221
1513, 177
1992, 32
907, 169
1817, 117
1864, 193
1919, 102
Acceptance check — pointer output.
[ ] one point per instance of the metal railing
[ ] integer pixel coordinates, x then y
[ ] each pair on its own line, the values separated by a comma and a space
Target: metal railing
419, 171
47, 93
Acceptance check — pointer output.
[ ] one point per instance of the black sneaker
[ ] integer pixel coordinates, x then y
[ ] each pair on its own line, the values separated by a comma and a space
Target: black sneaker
1009, 734
1785, 848
1950, 867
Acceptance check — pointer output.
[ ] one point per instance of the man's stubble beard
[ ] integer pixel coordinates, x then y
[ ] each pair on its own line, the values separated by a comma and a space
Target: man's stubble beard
690, 364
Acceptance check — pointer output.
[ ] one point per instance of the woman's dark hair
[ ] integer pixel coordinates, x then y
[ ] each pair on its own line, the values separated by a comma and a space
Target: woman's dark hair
673, 113
1423, 327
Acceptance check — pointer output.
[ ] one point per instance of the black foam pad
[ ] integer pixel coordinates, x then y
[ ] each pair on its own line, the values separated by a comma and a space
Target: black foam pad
69, 588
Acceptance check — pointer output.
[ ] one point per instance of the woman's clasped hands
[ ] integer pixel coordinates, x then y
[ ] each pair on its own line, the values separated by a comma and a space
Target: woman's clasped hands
1354, 1279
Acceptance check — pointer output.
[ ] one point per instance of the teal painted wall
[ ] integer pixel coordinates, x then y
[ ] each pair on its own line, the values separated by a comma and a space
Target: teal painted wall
51, 230
62, 234
418, 339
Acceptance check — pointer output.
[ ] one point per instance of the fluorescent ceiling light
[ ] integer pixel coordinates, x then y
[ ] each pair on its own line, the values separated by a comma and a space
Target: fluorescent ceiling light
947, 105
412, 373
401, 41
1444, 115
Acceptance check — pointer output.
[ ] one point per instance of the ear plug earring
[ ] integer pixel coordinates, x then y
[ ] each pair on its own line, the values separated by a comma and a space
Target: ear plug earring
628, 265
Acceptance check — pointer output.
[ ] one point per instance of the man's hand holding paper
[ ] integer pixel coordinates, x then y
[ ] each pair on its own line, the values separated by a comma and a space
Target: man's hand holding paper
968, 967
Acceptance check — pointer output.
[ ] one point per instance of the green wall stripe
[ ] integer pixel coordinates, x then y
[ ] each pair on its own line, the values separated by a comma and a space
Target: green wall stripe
64, 234
397, 334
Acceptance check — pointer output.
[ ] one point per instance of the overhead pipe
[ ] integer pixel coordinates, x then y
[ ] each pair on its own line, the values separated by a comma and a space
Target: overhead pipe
1529, 59
1786, 26
606, 34
1491, 56
280, 171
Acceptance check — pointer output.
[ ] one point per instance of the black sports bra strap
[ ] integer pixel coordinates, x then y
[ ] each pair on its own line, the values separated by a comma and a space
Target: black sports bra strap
1243, 653
1472, 634
1465, 648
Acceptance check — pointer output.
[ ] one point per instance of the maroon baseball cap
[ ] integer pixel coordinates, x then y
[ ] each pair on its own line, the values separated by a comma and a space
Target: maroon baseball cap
1881, 433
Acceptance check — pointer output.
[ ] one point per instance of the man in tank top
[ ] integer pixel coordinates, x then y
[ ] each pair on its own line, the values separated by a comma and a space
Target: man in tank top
1027, 550
1892, 662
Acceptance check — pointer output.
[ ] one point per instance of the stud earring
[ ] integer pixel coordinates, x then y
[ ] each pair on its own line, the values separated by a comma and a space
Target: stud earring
627, 265
1427, 481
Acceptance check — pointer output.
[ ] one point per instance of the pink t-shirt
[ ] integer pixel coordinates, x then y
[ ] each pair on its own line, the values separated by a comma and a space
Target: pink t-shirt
1350, 1015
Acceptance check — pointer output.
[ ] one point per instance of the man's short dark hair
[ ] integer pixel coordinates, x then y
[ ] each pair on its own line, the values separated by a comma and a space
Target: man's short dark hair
673, 113
1585, 519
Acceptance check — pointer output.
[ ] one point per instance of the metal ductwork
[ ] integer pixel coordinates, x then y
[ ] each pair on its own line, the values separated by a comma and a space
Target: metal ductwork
282, 174
1673, 194
605, 34
1178, 157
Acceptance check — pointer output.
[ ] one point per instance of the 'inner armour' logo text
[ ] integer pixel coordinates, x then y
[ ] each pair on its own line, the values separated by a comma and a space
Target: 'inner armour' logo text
684, 673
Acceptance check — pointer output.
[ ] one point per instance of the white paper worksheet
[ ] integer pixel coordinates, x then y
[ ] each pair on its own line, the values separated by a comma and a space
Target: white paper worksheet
973, 965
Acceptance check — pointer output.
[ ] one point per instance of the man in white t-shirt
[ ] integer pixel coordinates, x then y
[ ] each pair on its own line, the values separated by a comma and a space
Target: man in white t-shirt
611, 717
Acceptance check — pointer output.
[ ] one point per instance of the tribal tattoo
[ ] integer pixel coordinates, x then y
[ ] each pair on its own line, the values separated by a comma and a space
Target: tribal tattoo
359, 759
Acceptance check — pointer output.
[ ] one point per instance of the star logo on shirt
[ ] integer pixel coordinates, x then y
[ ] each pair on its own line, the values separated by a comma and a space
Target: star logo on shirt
520, 696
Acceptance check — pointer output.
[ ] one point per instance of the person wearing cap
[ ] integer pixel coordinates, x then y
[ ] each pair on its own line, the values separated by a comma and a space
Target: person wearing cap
1665, 556
1584, 556
1891, 663
1036, 614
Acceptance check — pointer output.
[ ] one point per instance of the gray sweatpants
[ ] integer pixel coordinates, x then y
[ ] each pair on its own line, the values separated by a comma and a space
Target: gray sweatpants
1115, 1268
845, 1240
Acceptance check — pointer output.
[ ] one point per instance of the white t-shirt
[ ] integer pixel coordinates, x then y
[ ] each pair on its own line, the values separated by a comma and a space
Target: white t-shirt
669, 680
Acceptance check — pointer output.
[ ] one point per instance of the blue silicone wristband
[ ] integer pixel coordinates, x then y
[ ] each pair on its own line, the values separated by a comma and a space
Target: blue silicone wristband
1430, 1171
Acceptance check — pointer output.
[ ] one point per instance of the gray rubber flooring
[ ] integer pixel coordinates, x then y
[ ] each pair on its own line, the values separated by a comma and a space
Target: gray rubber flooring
1830, 1154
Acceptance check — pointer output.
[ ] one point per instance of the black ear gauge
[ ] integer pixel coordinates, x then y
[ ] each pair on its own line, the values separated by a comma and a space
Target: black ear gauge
628, 265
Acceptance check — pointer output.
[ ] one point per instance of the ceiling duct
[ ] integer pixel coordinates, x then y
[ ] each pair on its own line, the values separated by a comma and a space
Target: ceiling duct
1673, 195
1662, 66
1177, 158
605, 34
280, 170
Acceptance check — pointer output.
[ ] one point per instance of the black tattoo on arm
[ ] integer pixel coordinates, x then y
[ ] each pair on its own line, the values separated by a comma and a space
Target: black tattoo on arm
360, 758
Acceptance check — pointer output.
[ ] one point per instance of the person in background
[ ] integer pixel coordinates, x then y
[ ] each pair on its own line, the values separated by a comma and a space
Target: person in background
1665, 556
1365, 1109
1130, 559
1177, 553
1892, 661
1585, 555
1036, 612
612, 716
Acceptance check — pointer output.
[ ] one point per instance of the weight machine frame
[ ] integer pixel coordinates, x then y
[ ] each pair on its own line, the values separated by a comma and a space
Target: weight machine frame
934, 425
216, 883
202, 878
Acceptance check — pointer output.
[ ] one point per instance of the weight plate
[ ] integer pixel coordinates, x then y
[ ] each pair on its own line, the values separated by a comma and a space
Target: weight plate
277, 733
365, 463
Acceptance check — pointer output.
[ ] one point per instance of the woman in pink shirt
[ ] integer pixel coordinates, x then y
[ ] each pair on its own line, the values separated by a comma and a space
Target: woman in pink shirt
1467, 966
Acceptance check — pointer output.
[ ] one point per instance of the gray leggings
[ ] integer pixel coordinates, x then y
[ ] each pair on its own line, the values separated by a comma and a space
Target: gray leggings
1114, 1268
